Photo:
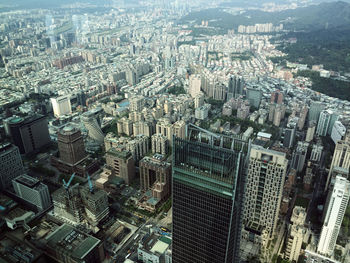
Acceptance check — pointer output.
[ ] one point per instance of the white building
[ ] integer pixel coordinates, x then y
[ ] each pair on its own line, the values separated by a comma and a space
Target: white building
316, 153
201, 113
338, 131
297, 232
61, 106
195, 85
335, 208
32, 191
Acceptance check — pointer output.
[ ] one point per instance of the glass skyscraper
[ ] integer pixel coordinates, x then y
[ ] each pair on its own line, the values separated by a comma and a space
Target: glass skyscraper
207, 198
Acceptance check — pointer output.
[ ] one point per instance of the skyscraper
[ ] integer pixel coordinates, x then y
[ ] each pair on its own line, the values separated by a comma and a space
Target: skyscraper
11, 165
33, 191
71, 145
235, 87
323, 122
207, 198
315, 109
299, 156
90, 120
265, 180
29, 134
337, 201
341, 157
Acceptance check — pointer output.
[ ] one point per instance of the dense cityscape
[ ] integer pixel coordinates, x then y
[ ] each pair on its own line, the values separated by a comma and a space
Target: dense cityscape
149, 131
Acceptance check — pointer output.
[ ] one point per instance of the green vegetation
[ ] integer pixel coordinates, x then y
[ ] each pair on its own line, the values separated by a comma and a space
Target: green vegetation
302, 201
206, 31
177, 90
245, 123
344, 233
64, 28
215, 103
192, 42
112, 127
331, 87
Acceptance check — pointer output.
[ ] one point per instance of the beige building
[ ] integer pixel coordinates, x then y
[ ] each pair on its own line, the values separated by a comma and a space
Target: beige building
195, 85
341, 157
265, 180
136, 103
124, 126
160, 144
143, 128
310, 131
296, 235
122, 163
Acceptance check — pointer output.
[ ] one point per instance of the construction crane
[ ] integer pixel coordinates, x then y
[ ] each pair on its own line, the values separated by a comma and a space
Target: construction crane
66, 185
91, 188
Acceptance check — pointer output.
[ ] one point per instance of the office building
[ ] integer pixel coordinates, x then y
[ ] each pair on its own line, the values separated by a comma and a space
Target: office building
296, 234
11, 165
299, 156
289, 135
71, 145
326, 122
310, 131
29, 134
207, 190
92, 125
254, 96
266, 175
199, 100
336, 204
33, 191
68, 244
202, 112
315, 110
155, 175
122, 164
61, 106
341, 157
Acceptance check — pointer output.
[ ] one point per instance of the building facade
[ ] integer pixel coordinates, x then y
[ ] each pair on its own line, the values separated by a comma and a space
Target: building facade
337, 201
207, 190
11, 165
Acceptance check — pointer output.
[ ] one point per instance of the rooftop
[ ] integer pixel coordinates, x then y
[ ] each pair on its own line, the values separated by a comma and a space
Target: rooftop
77, 243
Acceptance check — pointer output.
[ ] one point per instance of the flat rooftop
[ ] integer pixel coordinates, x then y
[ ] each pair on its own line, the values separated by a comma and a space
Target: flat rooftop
27, 180
77, 243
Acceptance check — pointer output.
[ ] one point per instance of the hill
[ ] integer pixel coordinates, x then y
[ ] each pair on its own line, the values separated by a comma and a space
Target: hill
314, 17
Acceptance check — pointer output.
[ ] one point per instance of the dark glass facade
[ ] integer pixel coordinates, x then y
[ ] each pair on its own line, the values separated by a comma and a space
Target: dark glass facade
207, 202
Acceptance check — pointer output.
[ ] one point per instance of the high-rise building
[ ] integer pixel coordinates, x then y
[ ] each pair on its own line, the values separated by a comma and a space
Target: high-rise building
160, 144
315, 110
299, 156
207, 197
254, 96
310, 131
316, 153
296, 234
91, 123
338, 132
29, 134
11, 165
61, 106
289, 135
33, 191
266, 175
195, 85
136, 103
155, 175
235, 87
277, 97
341, 157
337, 201
326, 122
71, 145
122, 164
